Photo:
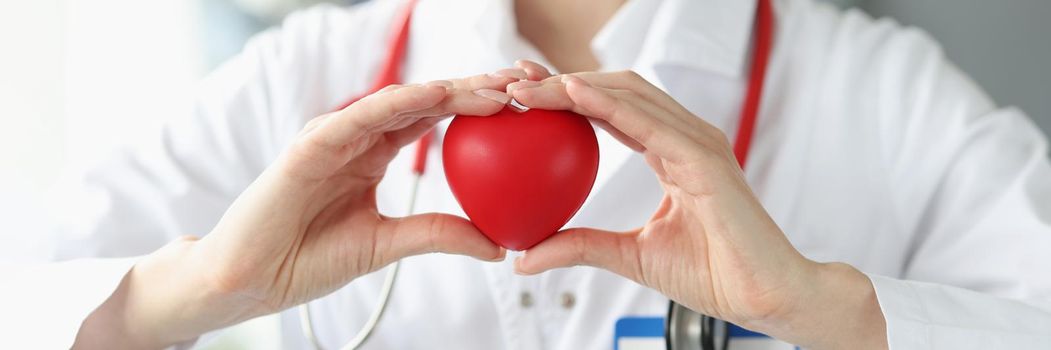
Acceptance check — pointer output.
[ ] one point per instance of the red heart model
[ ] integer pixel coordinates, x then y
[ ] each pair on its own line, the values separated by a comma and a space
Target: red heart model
520, 176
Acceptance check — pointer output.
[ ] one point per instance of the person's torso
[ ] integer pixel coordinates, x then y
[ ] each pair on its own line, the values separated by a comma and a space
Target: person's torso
815, 164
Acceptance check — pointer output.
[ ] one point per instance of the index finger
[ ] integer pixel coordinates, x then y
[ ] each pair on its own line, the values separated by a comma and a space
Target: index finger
656, 136
483, 81
346, 125
387, 106
630, 80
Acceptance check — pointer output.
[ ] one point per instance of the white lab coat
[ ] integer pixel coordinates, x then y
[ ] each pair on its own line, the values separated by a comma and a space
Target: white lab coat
871, 149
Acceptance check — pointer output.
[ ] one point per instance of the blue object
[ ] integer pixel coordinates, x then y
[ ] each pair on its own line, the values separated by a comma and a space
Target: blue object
637, 327
653, 327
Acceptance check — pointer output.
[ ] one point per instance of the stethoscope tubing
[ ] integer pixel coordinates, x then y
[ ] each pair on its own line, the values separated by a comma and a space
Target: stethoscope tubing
382, 301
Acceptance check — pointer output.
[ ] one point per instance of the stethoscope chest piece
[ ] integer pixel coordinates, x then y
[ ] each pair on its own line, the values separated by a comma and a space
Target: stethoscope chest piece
685, 329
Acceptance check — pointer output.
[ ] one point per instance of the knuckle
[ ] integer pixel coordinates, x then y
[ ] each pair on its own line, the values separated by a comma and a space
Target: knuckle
308, 145
718, 136
645, 135
614, 114
708, 153
469, 82
388, 88
630, 75
621, 107
377, 107
314, 122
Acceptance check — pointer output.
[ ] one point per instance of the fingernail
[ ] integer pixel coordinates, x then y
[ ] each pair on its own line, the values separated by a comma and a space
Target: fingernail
498, 96
516, 73
518, 264
443, 83
566, 78
522, 84
517, 106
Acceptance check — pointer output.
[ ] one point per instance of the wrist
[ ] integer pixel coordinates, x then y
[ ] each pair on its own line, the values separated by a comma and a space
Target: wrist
184, 299
837, 309
111, 326
165, 295
162, 301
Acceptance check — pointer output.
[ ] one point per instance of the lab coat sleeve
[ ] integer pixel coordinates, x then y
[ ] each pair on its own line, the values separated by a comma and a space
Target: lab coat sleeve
973, 185
180, 180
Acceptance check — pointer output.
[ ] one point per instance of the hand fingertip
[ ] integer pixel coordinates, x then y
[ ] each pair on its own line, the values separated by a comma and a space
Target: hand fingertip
518, 266
521, 95
535, 74
500, 256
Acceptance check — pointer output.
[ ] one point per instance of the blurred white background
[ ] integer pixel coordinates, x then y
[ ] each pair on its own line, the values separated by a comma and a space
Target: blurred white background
78, 77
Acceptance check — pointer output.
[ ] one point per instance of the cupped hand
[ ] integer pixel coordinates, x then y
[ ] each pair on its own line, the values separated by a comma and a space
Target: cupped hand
709, 226
710, 245
309, 224
306, 226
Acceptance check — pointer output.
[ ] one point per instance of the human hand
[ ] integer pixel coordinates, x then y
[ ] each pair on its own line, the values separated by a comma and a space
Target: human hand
710, 245
306, 227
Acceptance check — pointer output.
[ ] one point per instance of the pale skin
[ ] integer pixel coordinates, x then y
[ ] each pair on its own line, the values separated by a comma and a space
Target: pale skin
710, 245
309, 224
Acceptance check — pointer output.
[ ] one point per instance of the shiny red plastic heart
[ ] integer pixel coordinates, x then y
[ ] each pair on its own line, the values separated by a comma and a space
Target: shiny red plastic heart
520, 176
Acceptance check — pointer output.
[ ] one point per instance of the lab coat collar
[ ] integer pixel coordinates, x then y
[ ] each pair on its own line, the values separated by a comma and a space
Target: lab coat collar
707, 35
710, 36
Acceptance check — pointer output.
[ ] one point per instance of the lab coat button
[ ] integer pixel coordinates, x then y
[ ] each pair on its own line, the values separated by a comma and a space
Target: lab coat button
526, 300
568, 300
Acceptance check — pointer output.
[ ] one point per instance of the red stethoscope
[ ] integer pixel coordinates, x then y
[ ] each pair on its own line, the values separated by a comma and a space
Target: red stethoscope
684, 329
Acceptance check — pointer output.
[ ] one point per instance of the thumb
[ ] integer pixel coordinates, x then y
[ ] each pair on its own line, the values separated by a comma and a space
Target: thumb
617, 252
434, 233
